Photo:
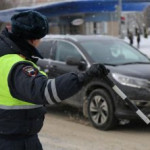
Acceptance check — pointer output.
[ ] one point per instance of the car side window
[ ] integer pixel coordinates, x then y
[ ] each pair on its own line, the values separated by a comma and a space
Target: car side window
65, 50
45, 49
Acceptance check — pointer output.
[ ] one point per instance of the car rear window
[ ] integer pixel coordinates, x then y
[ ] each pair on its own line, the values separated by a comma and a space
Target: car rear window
45, 48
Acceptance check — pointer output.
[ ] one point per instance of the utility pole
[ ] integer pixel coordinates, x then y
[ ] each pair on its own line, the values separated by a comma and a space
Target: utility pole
119, 17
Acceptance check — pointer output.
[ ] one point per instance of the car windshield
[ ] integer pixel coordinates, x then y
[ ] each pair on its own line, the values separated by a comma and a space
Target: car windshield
113, 52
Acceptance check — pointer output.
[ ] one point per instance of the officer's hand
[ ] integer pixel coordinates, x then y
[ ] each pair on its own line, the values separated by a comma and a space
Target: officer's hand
97, 70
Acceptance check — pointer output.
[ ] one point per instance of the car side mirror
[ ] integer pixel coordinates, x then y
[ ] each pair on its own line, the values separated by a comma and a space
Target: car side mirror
76, 62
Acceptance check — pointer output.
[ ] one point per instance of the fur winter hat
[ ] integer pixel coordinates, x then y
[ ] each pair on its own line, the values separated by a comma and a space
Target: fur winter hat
29, 25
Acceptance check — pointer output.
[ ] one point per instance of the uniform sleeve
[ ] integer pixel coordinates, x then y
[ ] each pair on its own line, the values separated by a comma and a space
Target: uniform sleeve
26, 83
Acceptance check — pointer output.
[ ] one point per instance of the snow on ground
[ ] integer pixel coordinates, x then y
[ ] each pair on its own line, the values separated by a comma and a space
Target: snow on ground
144, 44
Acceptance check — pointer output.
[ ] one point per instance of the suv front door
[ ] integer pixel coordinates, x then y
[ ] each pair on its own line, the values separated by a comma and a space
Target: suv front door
63, 50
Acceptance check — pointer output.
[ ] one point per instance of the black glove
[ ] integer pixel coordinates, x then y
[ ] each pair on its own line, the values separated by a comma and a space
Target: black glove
95, 71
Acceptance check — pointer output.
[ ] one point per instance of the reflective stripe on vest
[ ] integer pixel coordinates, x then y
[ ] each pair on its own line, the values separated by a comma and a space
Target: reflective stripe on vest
6, 100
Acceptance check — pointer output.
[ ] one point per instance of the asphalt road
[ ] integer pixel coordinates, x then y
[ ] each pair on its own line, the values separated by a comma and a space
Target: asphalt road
67, 130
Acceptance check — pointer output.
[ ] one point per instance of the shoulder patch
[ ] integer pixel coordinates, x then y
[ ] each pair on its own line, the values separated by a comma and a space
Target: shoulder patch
30, 71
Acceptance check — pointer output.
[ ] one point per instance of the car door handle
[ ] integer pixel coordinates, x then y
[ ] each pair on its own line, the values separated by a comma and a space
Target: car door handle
46, 70
52, 66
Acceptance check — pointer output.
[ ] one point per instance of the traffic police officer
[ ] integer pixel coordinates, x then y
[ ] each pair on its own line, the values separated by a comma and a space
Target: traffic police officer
24, 89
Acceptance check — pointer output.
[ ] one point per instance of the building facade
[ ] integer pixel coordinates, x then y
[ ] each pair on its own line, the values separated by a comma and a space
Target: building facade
105, 23
78, 19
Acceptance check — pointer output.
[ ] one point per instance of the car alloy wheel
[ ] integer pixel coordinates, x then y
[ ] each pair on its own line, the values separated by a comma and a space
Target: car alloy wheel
101, 110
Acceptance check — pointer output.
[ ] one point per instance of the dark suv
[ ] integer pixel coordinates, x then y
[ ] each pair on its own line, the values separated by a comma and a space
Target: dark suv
129, 70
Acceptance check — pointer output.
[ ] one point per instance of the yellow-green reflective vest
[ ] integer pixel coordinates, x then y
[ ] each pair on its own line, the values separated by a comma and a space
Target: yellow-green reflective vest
6, 100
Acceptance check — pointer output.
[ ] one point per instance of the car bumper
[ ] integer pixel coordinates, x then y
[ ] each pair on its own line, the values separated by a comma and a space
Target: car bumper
124, 112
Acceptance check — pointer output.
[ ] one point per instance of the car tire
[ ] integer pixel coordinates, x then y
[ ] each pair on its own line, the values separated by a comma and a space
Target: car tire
101, 110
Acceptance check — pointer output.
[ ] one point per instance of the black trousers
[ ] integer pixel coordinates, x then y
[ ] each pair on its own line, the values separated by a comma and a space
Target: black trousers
20, 143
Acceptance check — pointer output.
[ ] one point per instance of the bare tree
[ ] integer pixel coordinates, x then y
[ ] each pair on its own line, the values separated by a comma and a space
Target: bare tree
147, 16
135, 20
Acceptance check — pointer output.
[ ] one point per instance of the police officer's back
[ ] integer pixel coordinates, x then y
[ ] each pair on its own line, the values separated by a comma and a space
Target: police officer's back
24, 89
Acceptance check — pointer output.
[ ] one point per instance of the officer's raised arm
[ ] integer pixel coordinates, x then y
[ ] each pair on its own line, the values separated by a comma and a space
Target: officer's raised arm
29, 84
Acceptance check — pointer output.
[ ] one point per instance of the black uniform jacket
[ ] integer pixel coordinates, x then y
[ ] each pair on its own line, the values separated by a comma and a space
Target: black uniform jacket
26, 83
